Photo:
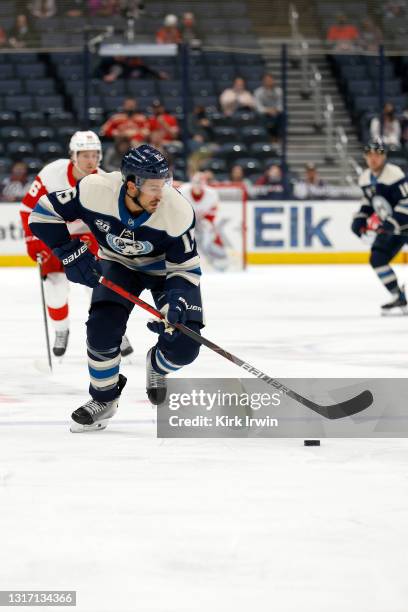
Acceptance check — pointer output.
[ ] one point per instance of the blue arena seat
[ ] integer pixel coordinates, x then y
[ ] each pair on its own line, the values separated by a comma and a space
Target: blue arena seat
18, 103
11, 87
18, 149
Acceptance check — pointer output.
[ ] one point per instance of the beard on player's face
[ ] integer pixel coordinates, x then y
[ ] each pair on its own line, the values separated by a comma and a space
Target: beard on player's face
143, 201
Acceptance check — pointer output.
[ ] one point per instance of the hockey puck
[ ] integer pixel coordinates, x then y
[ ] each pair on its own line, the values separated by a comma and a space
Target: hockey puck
311, 443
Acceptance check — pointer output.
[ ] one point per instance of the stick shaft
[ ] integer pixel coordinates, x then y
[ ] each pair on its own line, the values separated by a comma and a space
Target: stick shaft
340, 410
44, 310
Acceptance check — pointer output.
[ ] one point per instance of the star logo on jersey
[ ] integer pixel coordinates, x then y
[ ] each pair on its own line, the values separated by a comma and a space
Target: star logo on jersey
127, 247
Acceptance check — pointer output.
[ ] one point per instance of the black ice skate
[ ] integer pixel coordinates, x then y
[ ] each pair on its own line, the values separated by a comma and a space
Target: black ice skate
94, 415
126, 348
61, 342
156, 384
397, 306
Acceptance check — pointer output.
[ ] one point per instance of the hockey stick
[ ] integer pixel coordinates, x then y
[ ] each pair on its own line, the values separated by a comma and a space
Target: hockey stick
334, 411
44, 310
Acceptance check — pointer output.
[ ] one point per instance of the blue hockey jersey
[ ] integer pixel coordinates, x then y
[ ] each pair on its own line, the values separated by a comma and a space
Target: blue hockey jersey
159, 244
386, 195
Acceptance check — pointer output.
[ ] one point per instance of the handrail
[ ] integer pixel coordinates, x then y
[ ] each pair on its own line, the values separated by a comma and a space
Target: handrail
329, 127
316, 85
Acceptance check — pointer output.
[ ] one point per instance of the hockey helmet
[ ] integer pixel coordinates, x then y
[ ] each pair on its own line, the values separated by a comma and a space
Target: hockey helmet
145, 162
85, 141
376, 146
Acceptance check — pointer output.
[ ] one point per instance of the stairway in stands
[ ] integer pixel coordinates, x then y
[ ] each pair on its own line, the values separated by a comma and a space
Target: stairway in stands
271, 22
305, 144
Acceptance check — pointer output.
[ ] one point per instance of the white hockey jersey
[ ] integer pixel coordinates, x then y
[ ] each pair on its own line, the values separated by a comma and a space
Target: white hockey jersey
56, 176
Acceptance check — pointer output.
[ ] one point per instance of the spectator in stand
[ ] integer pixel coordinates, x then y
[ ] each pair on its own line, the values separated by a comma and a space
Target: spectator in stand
200, 123
189, 31
237, 175
42, 8
17, 184
120, 67
268, 99
344, 35
104, 8
394, 11
271, 183
391, 135
23, 34
161, 120
128, 123
311, 186
112, 158
3, 38
236, 98
370, 36
156, 139
404, 128
77, 8
169, 33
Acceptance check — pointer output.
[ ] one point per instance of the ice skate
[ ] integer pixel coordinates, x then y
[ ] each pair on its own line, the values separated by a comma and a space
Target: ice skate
156, 384
126, 348
61, 342
94, 415
397, 306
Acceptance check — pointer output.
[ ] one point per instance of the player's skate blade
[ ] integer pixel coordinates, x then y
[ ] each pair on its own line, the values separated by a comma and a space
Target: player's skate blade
156, 384
94, 415
399, 306
61, 342
126, 348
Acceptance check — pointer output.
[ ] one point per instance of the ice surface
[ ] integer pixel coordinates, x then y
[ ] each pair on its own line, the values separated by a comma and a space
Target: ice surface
134, 523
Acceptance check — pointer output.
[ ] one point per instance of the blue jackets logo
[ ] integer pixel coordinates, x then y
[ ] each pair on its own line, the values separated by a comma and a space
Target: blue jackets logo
127, 247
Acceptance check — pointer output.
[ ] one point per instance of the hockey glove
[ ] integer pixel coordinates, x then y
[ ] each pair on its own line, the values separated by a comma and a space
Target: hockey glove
79, 264
175, 311
359, 225
36, 249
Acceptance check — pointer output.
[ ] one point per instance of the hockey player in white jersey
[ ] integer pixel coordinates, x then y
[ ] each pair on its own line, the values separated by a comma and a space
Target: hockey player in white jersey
385, 193
145, 232
85, 157
204, 200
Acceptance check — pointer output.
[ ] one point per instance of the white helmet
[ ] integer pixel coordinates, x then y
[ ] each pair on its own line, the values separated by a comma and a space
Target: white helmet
85, 141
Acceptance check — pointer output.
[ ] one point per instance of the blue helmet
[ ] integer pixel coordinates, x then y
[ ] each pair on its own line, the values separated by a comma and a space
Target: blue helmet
377, 145
144, 162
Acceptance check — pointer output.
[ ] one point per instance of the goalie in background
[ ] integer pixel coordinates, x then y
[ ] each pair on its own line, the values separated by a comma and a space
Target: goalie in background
384, 210
204, 200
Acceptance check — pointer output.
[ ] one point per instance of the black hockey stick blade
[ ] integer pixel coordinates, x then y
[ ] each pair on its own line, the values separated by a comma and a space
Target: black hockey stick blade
334, 411
351, 406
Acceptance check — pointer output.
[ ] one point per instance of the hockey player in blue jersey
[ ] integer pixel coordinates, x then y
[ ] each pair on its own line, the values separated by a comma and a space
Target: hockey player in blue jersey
145, 231
385, 193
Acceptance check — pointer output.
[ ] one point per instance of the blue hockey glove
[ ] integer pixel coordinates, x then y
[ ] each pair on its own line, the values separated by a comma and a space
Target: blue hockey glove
79, 264
175, 311
359, 225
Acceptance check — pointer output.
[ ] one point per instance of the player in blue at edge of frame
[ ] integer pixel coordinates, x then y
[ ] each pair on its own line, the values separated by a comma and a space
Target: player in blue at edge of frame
384, 208
145, 231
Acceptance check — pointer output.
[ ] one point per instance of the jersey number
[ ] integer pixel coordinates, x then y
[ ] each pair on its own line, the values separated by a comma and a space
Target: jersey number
404, 189
66, 196
35, 188
188, 241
